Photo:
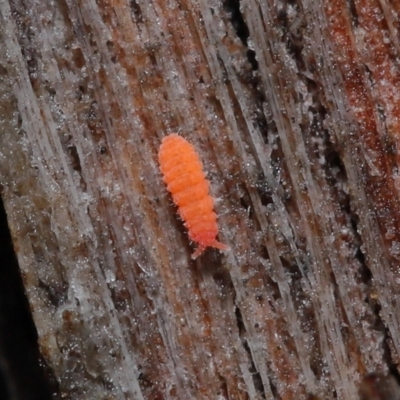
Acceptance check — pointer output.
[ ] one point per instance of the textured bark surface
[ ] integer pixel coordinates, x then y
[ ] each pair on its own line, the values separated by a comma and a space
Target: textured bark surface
293, 107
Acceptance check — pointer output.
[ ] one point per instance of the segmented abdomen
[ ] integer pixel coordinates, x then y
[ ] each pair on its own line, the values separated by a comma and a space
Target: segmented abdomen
185, 179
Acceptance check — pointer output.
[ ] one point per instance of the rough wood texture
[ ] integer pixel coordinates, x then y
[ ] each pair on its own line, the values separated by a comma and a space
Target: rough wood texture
293, 107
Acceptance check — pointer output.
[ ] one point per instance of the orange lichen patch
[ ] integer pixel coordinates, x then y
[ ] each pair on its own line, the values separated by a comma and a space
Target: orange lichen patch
185, 179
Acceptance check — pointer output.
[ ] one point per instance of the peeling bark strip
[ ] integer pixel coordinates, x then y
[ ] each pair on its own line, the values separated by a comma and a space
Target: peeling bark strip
293, 105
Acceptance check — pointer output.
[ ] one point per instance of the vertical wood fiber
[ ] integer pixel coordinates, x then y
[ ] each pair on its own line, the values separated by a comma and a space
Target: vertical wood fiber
293, 107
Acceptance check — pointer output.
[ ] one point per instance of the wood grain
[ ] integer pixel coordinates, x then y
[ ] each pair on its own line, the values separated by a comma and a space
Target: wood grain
293, 107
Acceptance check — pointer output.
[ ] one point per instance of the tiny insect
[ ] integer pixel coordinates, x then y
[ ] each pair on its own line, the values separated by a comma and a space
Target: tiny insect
186, 181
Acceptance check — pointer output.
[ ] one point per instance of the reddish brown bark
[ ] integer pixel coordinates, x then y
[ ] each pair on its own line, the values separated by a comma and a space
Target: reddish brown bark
293, 110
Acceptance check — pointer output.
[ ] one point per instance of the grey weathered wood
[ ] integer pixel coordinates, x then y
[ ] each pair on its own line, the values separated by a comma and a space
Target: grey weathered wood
293, 109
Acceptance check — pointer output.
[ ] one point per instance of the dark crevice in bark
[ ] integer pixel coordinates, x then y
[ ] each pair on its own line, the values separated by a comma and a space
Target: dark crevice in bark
353, 13
388, 355
233, 8
25, 370
241, 29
